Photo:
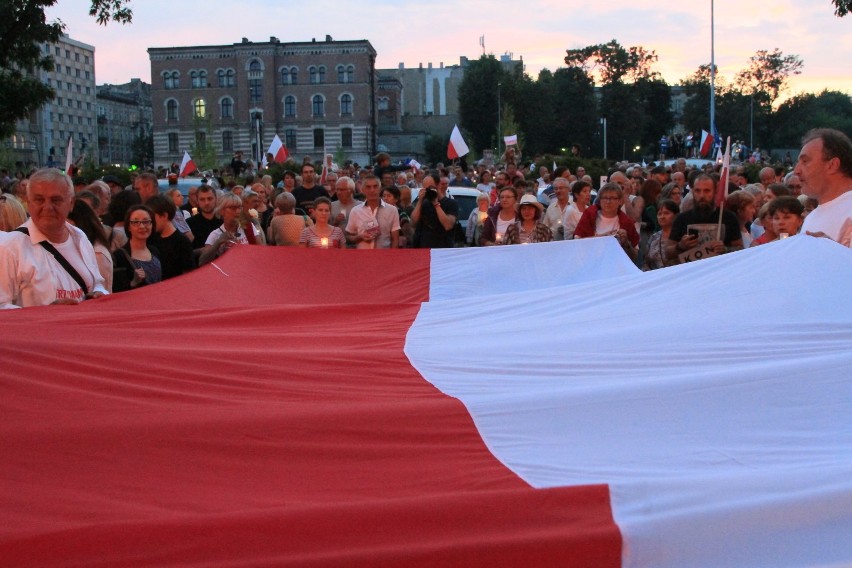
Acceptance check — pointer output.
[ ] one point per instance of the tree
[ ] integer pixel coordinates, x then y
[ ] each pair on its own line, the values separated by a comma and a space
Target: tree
767, 74
24, 29
843, 7
612, 61
142, 149
571, 96
478, 100
794, 117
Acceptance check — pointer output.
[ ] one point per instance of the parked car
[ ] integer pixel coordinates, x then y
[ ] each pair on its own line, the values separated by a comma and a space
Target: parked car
183, 184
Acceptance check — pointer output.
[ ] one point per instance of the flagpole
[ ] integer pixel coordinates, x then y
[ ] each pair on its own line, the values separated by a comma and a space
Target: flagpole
726, 175
713, 70
499, 127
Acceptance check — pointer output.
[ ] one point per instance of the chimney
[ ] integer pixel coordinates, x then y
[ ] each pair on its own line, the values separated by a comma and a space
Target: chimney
442, 64
401, 65
430, 65
328, 38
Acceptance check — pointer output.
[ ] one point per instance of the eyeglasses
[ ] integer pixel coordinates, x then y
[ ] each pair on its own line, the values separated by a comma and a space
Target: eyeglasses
144, 223
613, 198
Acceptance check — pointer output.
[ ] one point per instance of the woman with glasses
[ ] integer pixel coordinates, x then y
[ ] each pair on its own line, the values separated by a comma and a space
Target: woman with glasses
607, 219
136, 263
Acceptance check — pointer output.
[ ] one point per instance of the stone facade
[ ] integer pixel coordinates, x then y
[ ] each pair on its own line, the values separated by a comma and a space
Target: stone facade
316, 96
42, 139
124, 116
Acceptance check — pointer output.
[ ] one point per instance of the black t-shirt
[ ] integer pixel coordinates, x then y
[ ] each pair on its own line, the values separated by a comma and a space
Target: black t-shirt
175, 254
201, 228
430, 233
305, 196
695, 216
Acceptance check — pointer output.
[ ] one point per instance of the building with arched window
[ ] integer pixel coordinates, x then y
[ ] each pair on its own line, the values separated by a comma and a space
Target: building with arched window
247, 92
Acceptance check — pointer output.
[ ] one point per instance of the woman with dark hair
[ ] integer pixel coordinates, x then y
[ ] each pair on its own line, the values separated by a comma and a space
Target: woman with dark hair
117, 211
581, 196
136, 263
655, 258
500, 217
528, 229
741, 204
84, 218
175, 248
322, 234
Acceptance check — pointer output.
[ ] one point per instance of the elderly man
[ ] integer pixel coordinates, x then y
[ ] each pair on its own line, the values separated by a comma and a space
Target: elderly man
374, 223
47, 260
557, 208
340, 209
767, 177
825, 171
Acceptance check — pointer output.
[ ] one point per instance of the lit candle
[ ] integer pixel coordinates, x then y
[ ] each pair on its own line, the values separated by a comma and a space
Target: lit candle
784, 235
499, 238
195, 211
324, 242
483, 216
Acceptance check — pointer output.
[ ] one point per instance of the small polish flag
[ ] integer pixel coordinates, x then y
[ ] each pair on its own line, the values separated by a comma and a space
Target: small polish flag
187, 166
278, 150
722, 188
457, 147
706, 143
69, 155
511, 140
415, 164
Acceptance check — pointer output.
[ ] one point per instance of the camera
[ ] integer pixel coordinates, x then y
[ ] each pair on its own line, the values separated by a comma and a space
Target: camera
430, 194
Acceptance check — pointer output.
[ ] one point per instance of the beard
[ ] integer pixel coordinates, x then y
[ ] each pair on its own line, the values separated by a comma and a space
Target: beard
703, 207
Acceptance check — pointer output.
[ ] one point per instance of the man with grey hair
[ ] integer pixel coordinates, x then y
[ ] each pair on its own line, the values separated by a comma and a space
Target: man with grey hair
47, 260
767, 177
340, 209
557, 208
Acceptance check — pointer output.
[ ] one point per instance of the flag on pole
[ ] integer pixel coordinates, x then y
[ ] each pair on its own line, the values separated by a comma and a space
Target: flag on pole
187, 166
706, 143
719, 155
278, 150
511, 140
69, 155
554, 166
724, 176
457, 147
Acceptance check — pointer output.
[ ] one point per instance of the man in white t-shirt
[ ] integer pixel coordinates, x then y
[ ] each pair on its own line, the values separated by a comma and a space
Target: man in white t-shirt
50, 261
825, 171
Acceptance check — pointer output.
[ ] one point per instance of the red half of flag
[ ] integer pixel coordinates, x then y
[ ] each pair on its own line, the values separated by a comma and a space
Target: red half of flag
706, 143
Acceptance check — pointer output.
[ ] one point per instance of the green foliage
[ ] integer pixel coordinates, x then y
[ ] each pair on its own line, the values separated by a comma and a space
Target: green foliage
767, 74
843, 7
436, 149
829, 109
24, 29
478, 100
202, 150
612, 62
143, 150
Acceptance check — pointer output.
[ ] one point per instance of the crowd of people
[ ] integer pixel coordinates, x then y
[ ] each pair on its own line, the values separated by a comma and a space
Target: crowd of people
63, 242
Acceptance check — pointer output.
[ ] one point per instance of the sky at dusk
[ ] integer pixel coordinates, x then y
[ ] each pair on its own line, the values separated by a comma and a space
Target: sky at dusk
442, 30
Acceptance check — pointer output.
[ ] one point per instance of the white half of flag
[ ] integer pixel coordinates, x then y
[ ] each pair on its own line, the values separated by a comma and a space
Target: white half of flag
187, 166
457, 147
511, 140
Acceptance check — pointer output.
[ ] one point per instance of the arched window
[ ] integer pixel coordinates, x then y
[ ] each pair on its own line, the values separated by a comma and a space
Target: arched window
171, 109
285, 75
294, 75
171, 79
322, 74
318, 105
346, 104
341, 74
230, 78
382, 103
289, 106
350, 72
227, 107
199, 107
312, 72
255, 65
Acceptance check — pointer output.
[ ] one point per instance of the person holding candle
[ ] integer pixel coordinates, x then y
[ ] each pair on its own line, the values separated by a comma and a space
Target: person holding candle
322, 234
500, 217
607, 219
374, 223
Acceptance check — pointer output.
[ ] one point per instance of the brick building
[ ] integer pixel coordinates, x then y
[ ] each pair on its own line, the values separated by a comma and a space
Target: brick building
317, 95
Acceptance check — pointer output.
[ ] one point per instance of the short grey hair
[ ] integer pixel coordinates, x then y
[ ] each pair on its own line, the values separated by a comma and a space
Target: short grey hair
350, 183
52, 176
285, 203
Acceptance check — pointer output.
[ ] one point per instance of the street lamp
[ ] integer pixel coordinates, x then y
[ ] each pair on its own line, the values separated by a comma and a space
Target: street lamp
603, 122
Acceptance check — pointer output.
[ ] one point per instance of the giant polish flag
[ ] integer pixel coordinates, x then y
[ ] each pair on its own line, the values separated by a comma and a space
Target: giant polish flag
543, 405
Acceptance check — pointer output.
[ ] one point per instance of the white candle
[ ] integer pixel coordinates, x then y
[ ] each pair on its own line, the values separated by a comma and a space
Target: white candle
195, 210
324, 242
499, 238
